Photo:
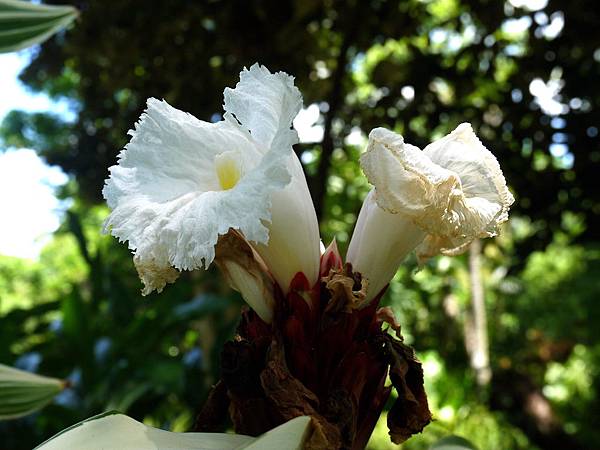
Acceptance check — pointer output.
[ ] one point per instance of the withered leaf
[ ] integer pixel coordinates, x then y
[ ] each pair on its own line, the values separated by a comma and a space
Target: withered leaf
386, 314
410, 412
241, 364
340, 409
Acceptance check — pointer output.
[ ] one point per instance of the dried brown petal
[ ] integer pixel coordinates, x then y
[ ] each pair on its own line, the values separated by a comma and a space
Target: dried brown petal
386, 314
214, 411
410, 413
348, 290
155, 277
241, 364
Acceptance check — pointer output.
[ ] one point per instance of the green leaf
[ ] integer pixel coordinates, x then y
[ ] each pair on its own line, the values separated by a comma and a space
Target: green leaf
116, 430
453, 443
22, 393
23, 24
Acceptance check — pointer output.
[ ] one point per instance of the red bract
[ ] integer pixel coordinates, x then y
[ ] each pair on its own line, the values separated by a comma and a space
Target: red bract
326, 355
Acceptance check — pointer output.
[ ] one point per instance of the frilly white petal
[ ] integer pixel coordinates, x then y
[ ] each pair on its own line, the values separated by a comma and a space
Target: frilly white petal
181, 183
165, 196
264, 103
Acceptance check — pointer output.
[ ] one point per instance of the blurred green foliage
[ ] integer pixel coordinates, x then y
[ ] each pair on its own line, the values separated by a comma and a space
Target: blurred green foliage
419, 67
77, 314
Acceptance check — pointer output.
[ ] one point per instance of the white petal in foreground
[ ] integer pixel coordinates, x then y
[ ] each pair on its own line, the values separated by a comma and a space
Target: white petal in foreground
289, 436
437, 201
181, 183
117, 431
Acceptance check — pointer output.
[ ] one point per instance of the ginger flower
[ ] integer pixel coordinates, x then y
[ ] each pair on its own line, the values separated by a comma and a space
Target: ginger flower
435, 201
181, 183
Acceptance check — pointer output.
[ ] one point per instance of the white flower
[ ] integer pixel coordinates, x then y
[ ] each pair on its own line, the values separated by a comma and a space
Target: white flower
436, 200
181, 183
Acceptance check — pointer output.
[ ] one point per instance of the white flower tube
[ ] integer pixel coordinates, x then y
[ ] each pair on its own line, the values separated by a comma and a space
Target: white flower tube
437, 201
181, 183
294, 244
381, 240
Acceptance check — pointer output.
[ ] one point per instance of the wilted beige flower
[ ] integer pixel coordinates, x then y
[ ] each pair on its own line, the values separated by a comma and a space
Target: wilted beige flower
435, 201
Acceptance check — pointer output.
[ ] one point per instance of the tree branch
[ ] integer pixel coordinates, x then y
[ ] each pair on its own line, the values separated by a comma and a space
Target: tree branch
335, 100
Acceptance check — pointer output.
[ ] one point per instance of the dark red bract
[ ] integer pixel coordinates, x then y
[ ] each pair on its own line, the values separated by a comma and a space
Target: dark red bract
325, 355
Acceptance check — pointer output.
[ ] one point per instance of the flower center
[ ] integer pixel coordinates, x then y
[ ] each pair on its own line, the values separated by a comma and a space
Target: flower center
227, 166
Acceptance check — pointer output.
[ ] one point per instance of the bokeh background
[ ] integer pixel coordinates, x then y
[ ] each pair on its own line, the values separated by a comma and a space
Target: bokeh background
509, 333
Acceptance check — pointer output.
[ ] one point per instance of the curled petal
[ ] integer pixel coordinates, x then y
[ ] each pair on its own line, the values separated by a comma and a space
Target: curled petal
386, 314
437, 201
405, 179
348, 290
454, 189
481, 204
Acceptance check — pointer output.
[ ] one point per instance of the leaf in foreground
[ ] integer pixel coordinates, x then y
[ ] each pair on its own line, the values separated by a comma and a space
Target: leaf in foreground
116, 430
453, 443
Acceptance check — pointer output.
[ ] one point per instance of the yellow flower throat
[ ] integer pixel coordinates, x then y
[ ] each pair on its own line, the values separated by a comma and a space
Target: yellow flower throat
227, 166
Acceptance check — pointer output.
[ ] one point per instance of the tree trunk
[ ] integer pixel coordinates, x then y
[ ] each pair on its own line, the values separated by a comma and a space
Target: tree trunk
335, 100
476, 333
